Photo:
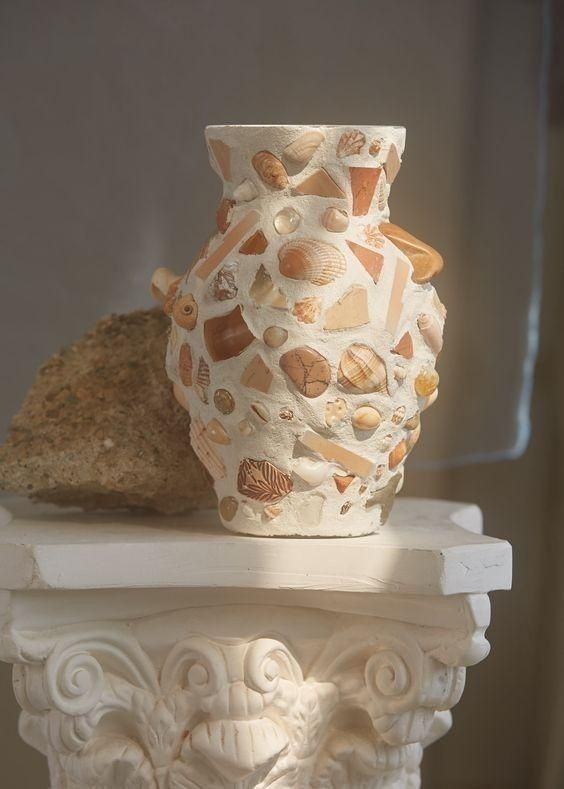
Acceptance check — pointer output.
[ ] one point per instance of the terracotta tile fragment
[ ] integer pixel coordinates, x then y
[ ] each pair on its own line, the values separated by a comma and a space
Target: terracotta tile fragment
255, 244
227, 335
223, 213
392, 164
264, 291
371, 260
363, 185
320, 183
404, 346
222, 155
342, 482
262, 480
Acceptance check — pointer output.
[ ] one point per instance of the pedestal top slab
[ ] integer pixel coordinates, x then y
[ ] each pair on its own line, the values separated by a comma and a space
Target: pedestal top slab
428, 547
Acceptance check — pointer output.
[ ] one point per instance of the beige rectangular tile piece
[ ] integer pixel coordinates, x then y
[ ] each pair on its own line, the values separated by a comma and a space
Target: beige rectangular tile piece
230, 241
395, 305
353, 463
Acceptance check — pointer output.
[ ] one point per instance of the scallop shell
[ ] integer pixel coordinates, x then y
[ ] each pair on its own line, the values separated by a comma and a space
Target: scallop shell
275, 336
350, 143
426, 382
224, 401
362, 370
223, 213
202, 380
307, 310
431, 332
262, 480
204, 450
303, 147
336, 220
227, 335
270, 169
185, 312
185, 364
366, 418
246, 191
315, 261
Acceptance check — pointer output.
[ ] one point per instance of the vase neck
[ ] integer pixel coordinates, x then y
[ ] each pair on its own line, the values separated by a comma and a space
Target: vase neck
354, 166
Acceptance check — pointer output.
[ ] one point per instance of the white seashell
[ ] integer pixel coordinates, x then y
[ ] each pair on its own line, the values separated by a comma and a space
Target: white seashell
315, 261
314, 472
245, 427
427, 402
335, 411
431, 332
246, 191
399, 373
275, 336
303, 147
286, 221
335, 220
366, 418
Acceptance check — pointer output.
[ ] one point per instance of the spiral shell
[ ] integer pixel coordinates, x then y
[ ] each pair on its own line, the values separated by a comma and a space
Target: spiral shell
270, 169
431, 332
362, 370
202, 380
303, 147
185, 312
315, 261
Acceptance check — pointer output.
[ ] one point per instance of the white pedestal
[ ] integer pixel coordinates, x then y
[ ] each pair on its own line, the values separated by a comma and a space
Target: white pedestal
166, 653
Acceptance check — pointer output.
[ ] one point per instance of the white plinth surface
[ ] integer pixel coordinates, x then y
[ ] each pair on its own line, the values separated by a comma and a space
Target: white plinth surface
167, 653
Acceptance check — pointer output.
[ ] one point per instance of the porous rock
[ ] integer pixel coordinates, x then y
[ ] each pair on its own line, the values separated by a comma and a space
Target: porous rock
100, 428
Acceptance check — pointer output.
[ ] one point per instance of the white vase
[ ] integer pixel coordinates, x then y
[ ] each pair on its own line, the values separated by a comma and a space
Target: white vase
304, 338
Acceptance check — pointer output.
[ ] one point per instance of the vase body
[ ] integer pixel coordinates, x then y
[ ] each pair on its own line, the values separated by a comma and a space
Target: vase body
304, 337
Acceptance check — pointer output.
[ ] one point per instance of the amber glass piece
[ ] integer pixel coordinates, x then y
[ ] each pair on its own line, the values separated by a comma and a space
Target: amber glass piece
425, 260
363, 185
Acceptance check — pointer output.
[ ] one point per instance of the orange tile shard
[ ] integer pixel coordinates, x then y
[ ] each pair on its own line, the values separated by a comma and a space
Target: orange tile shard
320, 183
222, 155
230, 241
335, 453
363, 186
392, 164
404, 346
227, 335
371, 260
255, 244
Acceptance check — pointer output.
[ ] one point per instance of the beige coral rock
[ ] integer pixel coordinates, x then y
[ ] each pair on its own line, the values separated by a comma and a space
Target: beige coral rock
100, 428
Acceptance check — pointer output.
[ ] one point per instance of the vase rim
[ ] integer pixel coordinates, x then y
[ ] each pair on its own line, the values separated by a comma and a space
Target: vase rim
379, 127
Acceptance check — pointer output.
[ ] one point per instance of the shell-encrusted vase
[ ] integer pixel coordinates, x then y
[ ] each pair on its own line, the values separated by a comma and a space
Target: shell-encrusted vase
305, 336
